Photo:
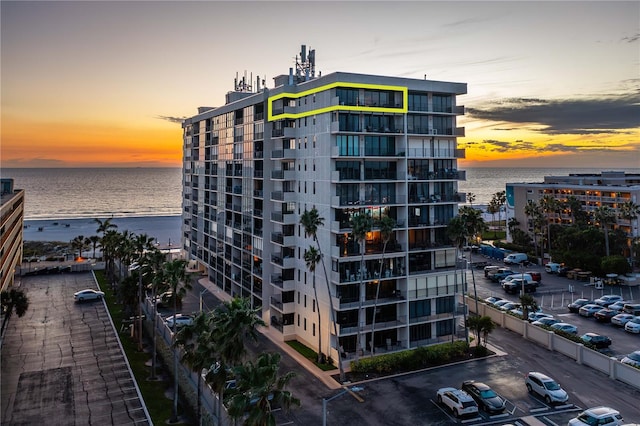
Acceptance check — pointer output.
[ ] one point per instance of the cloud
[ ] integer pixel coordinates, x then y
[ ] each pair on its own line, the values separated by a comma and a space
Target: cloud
525, 147
607, 114
632, 39
171, 119
32, 162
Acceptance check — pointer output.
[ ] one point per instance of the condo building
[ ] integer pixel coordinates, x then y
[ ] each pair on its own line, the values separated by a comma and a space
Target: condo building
344, 144
11, 231
592, 190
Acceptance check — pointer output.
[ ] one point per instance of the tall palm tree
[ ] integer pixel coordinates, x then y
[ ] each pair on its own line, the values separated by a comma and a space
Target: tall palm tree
79, 243
110, 242
549, 206
386, 231
176, 275
10, 301
312, 258
156, 260
471, 197
259, 390
629, 211
493, 208
529, 304
141, 243
605, 216
311, 221
534, 215
95, 240
361, 225
501, 199
104, 226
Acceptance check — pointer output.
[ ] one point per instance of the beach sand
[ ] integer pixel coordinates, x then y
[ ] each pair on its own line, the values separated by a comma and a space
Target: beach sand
165, 229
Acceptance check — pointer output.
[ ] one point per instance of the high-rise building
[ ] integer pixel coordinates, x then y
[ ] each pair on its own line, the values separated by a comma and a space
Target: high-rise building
11, 231
345, 144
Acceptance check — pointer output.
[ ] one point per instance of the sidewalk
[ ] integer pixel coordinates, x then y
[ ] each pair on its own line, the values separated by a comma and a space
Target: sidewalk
275, 337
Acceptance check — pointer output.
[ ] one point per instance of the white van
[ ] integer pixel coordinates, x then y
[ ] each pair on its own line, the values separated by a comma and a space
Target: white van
515, 258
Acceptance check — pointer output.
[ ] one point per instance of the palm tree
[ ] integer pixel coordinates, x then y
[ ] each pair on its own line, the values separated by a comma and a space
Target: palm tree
629, 211
259, 389
471, 197
386, 231
604, 216
361, 225
534, 216
311, 221
176, 275
312, 258
110, 242
141, 243
104, 226
501, 198
10, 301
529, 304
549, 206
493, 208
199, 350
486, 326
156, 260
79, 243
94, 240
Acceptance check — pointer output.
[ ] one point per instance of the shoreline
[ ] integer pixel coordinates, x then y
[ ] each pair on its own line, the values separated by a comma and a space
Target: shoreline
166, 230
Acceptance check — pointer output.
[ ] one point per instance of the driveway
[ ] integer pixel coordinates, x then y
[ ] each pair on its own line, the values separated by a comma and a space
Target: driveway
62, 363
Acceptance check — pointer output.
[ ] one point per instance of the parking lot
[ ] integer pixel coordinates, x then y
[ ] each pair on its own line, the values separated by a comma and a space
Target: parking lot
62, 363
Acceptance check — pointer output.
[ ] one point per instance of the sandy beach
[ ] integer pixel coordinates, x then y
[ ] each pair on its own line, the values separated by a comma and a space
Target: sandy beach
165, 229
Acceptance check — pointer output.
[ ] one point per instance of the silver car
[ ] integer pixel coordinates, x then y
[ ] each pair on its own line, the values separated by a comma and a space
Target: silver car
546, 387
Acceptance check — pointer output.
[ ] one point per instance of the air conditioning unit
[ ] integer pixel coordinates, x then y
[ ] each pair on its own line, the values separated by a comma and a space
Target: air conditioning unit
434, 131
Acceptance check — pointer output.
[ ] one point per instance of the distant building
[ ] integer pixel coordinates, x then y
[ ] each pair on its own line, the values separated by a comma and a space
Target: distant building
608, 188
345, 144
11, 225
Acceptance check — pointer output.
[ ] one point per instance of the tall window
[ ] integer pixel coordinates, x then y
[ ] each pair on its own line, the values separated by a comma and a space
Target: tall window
348, 145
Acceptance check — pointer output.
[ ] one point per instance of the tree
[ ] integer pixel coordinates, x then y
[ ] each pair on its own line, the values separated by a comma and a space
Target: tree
471, 197
529, 304
361, 225
535, 219
615, 265
604, 217
549, 206
259, 389
386, 232
156, 260
10, 301
501, 199
629, 211
141, 243
104, 226
312, 258
485, 327
494, 208
176, 275
311, 221
80, 243
95, 240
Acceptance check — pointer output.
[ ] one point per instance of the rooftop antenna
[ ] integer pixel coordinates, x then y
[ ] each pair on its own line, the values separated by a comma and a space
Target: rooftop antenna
307, 65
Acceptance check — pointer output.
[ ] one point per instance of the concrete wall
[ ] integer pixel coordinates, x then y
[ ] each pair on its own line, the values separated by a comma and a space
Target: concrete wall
554, 342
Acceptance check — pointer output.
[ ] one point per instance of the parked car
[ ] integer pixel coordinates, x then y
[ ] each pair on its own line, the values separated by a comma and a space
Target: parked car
607, 300
518, 311
597, 340
535, 316
486, 397
492, 300
516, 285
546, 387
180, 320
500, 274
633, 325
516, 259
552, 268
527, 277
546, 321
165, 300
458, 401
604, 315
501, 303
567, 328
621, 319
509, 306
577, 304
631, 308
589, 310
619, 307
632, 359
597, 416
535, 276
87, 294
489, 268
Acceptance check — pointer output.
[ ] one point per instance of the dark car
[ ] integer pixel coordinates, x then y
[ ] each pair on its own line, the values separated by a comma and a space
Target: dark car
577, 304
597, 340
562, 272
486, 397
605, 315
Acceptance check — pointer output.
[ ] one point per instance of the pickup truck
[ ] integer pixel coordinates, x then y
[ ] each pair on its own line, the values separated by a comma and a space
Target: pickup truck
516, 284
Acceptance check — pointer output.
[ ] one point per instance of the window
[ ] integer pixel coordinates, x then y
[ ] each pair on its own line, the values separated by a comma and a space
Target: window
348, 170
314, 328
305, 324
420, 308
444, 304
418, 102
380, 145
348, 145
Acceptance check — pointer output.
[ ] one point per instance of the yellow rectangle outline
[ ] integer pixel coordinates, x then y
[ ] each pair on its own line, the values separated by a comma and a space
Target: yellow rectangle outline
403, 109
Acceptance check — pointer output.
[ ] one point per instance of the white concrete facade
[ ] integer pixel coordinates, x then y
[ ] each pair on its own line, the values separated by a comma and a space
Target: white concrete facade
344, 144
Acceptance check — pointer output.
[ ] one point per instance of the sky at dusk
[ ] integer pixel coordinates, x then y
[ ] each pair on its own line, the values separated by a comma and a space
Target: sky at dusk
105, 84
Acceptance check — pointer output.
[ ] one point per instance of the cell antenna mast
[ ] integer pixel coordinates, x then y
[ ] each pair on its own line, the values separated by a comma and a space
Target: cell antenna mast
306, 64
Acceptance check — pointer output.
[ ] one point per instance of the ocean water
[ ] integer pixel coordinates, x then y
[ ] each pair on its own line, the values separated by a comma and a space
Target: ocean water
138, 192
98, 193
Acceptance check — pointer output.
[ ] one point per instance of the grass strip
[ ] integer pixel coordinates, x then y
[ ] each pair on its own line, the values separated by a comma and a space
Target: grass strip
310, 354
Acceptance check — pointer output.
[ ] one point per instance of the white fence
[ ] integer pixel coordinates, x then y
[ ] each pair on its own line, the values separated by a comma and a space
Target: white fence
554, 342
